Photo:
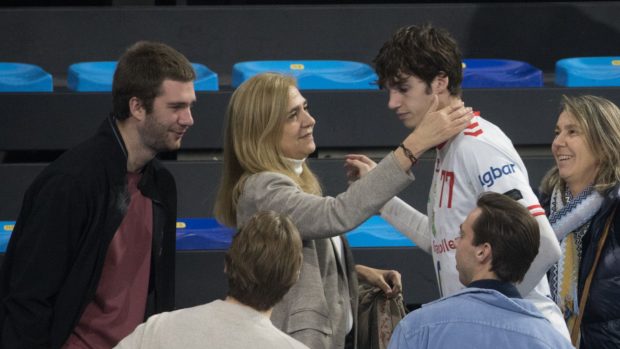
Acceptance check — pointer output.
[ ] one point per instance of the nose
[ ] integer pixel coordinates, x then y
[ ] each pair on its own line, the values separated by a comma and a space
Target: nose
185, 117
394, 100
308, 120
558, 141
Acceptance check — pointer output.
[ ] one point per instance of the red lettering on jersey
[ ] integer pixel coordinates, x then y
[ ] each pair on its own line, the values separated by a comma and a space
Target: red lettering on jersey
443, 246
447, 176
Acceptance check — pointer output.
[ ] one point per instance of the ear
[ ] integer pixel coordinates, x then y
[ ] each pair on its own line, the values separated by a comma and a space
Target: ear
484, 253
136, 108
440, 83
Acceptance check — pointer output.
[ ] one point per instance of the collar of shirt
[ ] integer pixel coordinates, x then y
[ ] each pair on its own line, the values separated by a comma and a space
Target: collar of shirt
506, 288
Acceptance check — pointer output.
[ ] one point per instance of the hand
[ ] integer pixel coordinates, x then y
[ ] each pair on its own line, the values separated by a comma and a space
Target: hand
357, 166
438, 126
387, 280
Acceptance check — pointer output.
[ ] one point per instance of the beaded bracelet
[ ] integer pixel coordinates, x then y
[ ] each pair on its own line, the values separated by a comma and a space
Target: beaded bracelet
409, 154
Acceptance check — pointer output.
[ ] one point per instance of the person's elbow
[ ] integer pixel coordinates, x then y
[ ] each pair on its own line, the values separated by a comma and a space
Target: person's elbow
550, 249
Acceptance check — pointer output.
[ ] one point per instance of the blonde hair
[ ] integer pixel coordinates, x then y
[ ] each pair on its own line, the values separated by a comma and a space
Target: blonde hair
599, 119
254, 125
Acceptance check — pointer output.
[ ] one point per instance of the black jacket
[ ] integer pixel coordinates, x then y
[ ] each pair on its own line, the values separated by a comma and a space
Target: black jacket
58, 246
600, 326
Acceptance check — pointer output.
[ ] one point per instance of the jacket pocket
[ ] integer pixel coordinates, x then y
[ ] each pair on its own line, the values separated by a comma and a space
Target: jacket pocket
309, 319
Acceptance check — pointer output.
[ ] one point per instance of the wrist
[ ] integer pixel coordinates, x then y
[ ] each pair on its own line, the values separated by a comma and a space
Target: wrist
362, 272
415, 145
409, 154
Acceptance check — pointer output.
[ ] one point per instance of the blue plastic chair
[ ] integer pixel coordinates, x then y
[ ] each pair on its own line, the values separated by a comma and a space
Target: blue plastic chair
6, 228
588, 71
208, 234
312, 74
22, 77
500, 73
98, 76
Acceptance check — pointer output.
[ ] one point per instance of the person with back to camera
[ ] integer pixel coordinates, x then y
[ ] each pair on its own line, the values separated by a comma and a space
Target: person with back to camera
93, 248
581, 196
268, 138
261, 265
417, 66
497, 242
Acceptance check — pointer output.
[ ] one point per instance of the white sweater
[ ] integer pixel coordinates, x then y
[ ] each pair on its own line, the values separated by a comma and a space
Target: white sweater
218, 324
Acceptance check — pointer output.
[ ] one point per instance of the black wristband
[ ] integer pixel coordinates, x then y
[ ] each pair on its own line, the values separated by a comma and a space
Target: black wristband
409, 154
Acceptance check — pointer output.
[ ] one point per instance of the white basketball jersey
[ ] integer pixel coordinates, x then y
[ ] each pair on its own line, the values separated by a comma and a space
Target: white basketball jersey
479, 159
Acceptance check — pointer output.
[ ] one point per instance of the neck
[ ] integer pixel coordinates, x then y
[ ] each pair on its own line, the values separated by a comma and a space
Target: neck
297, 164
137, 154
484, 274
446, 100
504, 287
233, 300
576, 189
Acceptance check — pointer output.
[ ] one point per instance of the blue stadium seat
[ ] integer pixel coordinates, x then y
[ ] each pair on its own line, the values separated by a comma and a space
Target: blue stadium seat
500, 73
202, 234
98, 76
6, 227
312, 74
91, 76
376, 232
588, 71
22, 77
208, 234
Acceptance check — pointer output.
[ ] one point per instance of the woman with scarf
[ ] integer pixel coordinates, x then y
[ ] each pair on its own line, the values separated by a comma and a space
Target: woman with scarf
581, 195
269, 135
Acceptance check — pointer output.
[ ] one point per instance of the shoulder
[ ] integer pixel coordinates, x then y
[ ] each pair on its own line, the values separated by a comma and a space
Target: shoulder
482, 135
262, 190
181, 317
439, 310
64, 180
265, 181
94, 158
435, 319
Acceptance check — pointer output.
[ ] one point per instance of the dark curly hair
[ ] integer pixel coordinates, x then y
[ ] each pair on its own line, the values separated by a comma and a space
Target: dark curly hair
423, 51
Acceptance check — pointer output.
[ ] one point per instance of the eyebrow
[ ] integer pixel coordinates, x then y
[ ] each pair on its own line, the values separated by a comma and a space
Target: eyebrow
571, 127
181, 104
305, 103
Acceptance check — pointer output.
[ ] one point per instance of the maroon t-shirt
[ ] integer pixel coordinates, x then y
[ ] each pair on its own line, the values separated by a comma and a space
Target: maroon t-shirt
120, 300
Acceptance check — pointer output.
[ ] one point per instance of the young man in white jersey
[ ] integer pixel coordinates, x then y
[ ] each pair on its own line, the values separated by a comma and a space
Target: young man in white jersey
421, 67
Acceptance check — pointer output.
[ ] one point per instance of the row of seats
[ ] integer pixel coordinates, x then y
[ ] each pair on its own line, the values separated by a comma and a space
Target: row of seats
327, 75
208, 234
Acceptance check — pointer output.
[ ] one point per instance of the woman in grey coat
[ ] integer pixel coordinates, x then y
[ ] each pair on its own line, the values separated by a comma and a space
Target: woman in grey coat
268, 137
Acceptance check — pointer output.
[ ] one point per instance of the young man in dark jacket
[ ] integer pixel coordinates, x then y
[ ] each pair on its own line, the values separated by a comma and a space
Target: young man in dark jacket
93, 248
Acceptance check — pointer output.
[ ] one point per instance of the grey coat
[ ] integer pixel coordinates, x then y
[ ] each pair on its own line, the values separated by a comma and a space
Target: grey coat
314, 310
